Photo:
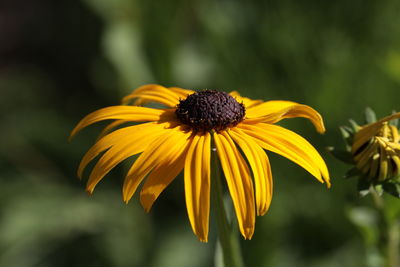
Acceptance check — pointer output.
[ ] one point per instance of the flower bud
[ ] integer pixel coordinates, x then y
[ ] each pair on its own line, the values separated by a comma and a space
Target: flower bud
374, 150
379, 157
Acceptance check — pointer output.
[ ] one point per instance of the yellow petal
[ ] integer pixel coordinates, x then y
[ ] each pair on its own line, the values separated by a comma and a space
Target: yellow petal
369, 130
290, 145
267, 168
153, 93
383, 167
363, 158
239, 183
128, 113
110, 127
274, 111
373, 171
395, 133
260, 167
161, 176
157, 97
143, 99
362, 137
136, 132
396, 162
126, 146
247, 102
197, 184
182, 93
170, 141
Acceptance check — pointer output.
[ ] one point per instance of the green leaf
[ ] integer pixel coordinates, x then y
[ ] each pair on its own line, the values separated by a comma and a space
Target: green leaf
370, 116
392, 188
346, 131
354, 125
342, 155
347, 134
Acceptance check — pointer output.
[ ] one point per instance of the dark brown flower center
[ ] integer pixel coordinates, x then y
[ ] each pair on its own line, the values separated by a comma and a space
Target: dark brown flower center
210, 110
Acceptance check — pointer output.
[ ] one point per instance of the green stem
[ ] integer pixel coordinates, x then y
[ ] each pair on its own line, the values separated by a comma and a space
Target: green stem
394, 244
389, 232
378, 200
227, 237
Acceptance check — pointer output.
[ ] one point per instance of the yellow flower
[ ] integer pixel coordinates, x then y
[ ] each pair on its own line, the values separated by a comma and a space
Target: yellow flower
180, 137
376, 149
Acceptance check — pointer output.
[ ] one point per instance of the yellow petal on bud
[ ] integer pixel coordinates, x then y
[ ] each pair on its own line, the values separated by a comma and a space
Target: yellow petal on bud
396, 162
363, 157
395, 134
383, 170
369, 131
374, 165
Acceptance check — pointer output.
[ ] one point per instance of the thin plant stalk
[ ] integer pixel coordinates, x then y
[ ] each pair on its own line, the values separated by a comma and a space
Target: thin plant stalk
389, 232
228, 238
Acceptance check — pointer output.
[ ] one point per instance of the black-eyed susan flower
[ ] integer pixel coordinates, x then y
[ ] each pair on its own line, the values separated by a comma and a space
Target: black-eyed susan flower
374, 150
180, 136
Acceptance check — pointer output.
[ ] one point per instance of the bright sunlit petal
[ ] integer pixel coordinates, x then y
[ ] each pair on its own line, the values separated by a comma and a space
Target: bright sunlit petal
152, 93
274, 111
161, 176
260, 167
197, 185
239, 183
171, 141
111, 126
121, 150
247, 102
128, 113
289, 145
133, 133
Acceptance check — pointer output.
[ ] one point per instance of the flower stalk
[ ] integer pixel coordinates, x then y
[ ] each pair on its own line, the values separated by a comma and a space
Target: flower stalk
227, 237
374, 151
389, 232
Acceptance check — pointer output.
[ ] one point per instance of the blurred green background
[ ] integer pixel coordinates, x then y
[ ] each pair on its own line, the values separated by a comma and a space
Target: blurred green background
60, 60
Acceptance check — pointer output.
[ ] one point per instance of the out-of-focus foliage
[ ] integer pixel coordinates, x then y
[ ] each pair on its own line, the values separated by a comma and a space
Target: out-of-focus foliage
60, 60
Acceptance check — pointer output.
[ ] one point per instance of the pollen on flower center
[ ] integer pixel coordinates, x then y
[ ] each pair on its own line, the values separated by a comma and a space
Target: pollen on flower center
210, 110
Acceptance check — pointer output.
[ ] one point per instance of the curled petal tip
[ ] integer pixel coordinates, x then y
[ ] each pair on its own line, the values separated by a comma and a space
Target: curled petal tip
71, 136
125, 198
248, 233
319, 125
203, 239
73, 133
248, 236
262, 212
328, 183
145, 205
89, 191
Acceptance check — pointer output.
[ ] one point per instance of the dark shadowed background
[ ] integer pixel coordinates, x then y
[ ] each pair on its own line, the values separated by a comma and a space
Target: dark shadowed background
60, 60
